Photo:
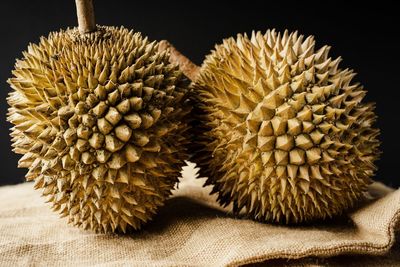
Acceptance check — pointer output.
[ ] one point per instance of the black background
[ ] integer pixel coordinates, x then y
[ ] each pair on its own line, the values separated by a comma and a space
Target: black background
365, 36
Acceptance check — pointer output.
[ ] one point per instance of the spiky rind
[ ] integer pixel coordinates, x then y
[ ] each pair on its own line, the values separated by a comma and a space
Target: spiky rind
283, 134
100, 120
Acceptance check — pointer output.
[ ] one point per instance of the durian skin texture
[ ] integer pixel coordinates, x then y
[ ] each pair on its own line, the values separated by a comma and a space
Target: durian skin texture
283, 135
101, 122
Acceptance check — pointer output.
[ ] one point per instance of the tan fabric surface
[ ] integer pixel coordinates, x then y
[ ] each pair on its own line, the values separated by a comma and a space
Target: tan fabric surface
191, 230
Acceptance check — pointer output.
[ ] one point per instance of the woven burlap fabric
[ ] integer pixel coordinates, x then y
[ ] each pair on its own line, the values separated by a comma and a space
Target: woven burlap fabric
192, 230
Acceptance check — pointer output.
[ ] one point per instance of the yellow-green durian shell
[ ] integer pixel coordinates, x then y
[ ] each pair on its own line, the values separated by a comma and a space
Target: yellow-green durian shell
283, 134
100, 120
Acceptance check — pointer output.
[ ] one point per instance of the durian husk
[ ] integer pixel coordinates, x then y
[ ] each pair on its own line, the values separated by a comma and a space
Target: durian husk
282, 132
101, 122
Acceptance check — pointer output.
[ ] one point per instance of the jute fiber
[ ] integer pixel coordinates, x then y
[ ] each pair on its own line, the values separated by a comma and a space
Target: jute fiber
191, 230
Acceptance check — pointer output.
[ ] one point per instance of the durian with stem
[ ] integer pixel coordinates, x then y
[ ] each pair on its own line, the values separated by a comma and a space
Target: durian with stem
282, 131
100, 117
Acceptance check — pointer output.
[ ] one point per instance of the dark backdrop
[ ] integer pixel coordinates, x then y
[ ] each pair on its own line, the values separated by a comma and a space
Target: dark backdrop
365, 36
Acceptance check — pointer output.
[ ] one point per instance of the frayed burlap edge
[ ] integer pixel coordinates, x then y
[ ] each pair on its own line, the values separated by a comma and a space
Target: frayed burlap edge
356, 249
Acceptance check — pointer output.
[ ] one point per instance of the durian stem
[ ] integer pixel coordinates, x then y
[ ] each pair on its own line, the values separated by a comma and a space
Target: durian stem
188, 68
85, 13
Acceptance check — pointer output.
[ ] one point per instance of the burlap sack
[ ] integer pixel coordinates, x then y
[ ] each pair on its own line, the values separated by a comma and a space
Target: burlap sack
191, 230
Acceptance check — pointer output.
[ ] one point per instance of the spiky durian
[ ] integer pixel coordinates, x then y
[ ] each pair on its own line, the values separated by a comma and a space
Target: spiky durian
100, 119
283, 134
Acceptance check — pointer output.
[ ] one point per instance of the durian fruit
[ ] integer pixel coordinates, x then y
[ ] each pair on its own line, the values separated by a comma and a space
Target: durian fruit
100, 119
283, 134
